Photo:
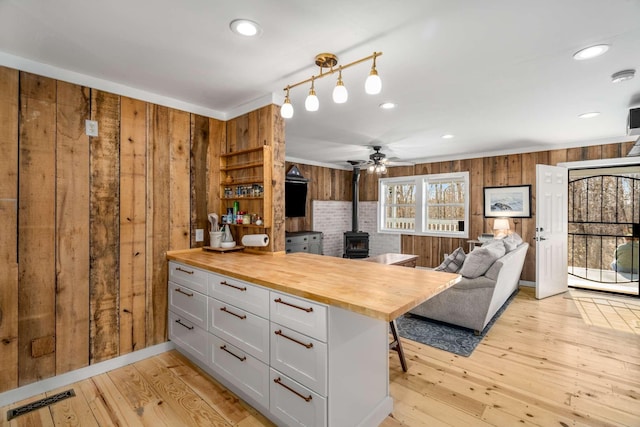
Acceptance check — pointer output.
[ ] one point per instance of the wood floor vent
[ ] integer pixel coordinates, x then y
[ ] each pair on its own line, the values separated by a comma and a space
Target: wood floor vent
34, 406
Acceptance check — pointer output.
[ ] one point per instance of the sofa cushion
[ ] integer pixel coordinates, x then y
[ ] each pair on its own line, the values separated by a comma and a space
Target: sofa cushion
478, 261
453, 262
512, 241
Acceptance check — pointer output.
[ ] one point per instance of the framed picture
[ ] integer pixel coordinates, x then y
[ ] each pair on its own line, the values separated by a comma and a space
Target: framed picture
507, 202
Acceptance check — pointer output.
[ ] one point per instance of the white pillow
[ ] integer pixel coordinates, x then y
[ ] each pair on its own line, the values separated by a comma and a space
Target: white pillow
512, 241
478, 261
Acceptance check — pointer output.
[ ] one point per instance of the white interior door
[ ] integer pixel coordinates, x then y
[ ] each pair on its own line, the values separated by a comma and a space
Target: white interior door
551, 230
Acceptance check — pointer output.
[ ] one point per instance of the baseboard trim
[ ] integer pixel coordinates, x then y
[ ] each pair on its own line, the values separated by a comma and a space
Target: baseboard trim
527, 283
24, 392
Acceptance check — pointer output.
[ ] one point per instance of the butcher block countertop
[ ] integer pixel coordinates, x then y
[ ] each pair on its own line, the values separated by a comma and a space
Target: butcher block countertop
377, 290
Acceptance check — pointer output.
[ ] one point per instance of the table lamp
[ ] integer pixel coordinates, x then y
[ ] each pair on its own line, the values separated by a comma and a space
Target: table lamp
500, 227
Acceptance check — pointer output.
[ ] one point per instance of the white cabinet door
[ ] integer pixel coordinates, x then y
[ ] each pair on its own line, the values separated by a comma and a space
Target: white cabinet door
302, 358
295, 404
188, 303
241, 328
241, 369
188, 336
302, 315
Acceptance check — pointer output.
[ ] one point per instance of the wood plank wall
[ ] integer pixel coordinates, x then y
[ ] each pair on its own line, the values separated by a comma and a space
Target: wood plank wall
515, 169
85, 222
324, 184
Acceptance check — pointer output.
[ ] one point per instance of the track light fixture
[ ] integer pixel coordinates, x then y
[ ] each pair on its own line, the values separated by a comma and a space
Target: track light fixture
373, 84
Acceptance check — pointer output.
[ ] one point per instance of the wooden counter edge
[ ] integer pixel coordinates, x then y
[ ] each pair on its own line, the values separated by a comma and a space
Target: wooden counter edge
367, 311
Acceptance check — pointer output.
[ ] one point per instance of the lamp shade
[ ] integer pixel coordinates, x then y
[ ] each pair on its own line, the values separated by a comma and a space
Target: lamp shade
373, 84
501, 224
286, 111
340, 94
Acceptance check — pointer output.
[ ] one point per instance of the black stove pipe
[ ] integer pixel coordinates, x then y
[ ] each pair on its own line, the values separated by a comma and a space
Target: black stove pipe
356, 188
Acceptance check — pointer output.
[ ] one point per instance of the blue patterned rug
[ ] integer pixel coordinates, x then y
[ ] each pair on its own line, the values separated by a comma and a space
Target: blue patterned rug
451, 338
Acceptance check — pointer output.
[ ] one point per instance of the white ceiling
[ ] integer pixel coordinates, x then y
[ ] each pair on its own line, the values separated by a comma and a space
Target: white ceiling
498, 74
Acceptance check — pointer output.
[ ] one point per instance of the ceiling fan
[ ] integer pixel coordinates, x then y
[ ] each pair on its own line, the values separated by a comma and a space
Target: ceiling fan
377, 163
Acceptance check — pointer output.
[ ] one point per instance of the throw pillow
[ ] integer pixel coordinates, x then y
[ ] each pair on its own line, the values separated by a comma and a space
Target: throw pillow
512, 241
453, 262
478, 261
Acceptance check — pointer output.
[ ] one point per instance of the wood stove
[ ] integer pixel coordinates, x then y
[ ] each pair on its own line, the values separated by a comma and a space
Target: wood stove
356, 243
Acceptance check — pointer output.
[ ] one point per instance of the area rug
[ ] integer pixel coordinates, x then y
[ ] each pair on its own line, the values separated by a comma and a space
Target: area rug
451, 338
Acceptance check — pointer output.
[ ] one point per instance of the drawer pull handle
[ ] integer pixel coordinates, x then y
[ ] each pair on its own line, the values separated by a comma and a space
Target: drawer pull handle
184, 271
242, 359
183, 292
224, 282
308, 310
279, 332
306, 398
233, 314
186, 326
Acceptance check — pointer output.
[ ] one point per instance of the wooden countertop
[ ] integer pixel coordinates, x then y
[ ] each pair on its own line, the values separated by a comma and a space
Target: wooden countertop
376, 290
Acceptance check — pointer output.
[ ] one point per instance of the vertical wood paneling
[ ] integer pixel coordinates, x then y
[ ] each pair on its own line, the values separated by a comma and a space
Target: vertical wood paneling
8, 225
158, 211
199, 178
217, 140
105, 227
36, 228
277, 178
180, 170
476, 201
133, 210
72, 223
528, 225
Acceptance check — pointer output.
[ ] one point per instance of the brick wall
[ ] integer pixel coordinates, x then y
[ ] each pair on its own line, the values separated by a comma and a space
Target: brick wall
333, 218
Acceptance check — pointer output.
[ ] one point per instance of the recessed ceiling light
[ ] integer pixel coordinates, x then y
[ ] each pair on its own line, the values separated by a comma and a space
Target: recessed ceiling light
447, 136
622, 76
245, 27
388, 105
589, 115
590, 52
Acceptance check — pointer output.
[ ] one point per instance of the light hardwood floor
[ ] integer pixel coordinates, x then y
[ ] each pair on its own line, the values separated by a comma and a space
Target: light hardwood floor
541, 364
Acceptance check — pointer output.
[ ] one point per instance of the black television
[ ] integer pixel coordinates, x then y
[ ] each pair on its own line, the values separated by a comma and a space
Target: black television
295, 199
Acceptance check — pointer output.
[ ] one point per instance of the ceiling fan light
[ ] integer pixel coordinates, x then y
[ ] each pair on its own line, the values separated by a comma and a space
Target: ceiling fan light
371, 169
373, 84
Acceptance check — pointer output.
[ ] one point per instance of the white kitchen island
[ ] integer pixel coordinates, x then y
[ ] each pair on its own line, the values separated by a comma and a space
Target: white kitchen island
303, 338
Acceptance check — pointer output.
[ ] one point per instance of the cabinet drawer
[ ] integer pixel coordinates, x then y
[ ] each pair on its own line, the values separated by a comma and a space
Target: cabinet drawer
295, 240
188, 336
188, 303
297, 247
188, 276
241, 369
241, 294
295, 404
302, 358
241, 328
300, 315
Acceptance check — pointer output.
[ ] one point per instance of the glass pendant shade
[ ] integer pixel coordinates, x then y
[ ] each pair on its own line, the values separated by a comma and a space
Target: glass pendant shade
286, 111
312, 103
373, 84
340, 94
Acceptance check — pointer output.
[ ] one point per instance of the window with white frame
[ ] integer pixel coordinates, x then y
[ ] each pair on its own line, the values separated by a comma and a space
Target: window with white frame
432, 205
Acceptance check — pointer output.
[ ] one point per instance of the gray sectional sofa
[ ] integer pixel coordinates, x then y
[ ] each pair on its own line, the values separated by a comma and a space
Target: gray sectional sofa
472, 302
